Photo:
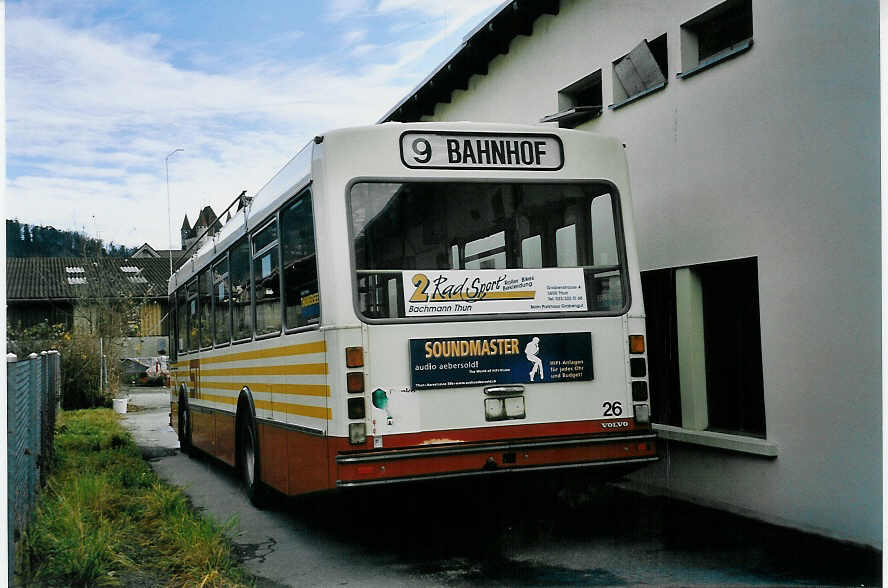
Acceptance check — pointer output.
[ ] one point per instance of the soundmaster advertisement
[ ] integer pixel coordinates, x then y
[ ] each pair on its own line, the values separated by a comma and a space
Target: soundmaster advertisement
510, 359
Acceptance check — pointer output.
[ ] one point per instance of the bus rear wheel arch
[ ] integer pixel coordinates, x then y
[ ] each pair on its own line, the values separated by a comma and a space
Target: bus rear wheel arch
184, 423
247, 450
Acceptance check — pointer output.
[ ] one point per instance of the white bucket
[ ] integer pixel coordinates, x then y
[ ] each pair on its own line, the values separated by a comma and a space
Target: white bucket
120, 405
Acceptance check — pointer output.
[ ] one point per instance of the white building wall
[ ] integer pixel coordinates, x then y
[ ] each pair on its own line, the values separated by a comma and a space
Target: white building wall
772, 154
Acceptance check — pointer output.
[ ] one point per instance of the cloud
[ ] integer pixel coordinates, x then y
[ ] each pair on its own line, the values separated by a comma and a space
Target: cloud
92, 110
352, 37
364, 49
341, 9
455, 10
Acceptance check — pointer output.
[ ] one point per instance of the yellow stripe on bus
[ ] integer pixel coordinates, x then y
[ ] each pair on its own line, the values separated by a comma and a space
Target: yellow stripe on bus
299, 349
300, 389
222, 399
299, 369
318, 412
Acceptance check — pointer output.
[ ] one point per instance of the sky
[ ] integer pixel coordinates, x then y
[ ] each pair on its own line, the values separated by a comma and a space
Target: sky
99, 92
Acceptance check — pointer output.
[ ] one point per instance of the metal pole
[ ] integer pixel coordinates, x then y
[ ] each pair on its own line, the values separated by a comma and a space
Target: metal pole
166, 167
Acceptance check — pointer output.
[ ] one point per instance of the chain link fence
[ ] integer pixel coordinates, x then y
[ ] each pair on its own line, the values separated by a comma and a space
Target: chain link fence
33, 395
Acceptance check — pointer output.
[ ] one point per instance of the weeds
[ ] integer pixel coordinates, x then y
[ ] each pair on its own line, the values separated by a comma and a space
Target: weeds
104, 516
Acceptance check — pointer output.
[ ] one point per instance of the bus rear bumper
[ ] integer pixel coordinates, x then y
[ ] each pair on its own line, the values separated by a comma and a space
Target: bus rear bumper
368, 468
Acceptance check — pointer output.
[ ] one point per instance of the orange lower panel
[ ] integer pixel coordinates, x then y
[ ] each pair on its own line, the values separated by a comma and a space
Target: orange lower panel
225, 437
293, 462
308, 463
273, 459
203, 431
504, 458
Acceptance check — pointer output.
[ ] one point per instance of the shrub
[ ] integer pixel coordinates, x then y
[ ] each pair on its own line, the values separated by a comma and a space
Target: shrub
80, 362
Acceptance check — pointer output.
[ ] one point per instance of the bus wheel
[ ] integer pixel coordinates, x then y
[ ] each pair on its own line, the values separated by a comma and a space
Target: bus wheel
249, 461
185, 427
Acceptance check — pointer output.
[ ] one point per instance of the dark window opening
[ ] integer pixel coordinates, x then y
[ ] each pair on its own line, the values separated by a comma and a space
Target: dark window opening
718, 33
578, 102
734, 385
732, 346
658, 288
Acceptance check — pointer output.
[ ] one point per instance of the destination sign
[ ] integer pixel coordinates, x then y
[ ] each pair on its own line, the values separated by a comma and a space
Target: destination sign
481, 151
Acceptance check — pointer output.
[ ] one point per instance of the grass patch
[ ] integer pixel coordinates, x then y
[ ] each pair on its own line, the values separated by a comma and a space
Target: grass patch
105, 519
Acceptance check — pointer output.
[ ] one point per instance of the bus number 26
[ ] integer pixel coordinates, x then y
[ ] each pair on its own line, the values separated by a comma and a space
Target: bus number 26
612, 408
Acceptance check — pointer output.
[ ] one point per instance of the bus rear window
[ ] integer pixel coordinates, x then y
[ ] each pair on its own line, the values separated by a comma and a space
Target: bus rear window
402, 227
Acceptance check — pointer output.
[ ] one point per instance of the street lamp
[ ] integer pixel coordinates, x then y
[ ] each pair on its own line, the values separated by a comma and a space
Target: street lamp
166, 167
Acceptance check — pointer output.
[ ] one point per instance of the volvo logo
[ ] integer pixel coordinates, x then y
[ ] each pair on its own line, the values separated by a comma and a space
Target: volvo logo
615, 425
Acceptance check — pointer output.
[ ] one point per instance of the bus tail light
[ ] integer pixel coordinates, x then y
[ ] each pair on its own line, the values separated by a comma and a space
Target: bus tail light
636, 343
357, 433
356, 408
354, 357
642, 413
639, 391
355, 382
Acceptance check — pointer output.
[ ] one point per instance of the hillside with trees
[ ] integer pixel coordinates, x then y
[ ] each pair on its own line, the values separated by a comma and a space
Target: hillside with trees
24, 240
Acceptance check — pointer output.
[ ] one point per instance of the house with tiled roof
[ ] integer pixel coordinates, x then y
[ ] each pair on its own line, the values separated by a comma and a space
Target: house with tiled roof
146, 250
52, 289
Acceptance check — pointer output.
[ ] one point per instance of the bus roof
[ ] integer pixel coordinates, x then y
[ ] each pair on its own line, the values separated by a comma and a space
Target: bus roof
296, 174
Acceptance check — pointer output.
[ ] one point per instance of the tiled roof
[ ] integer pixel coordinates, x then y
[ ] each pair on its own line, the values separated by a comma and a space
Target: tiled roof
59, 278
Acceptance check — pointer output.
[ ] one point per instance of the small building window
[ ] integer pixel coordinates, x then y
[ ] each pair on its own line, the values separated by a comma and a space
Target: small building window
716, 35
579, 102
640, 72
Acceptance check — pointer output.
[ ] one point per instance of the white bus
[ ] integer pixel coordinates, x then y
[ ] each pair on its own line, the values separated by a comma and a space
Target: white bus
419, 301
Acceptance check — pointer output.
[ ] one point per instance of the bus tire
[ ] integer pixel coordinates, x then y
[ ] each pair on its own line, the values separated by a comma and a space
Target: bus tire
185, 445
248, 451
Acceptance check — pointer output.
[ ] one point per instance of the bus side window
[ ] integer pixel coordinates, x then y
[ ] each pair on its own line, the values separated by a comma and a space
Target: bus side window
566, 246
266, 274
301, 300
205, 295
604, 237
240, 289
532, 252
172, 323
222, 303
182, 321
193, 324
